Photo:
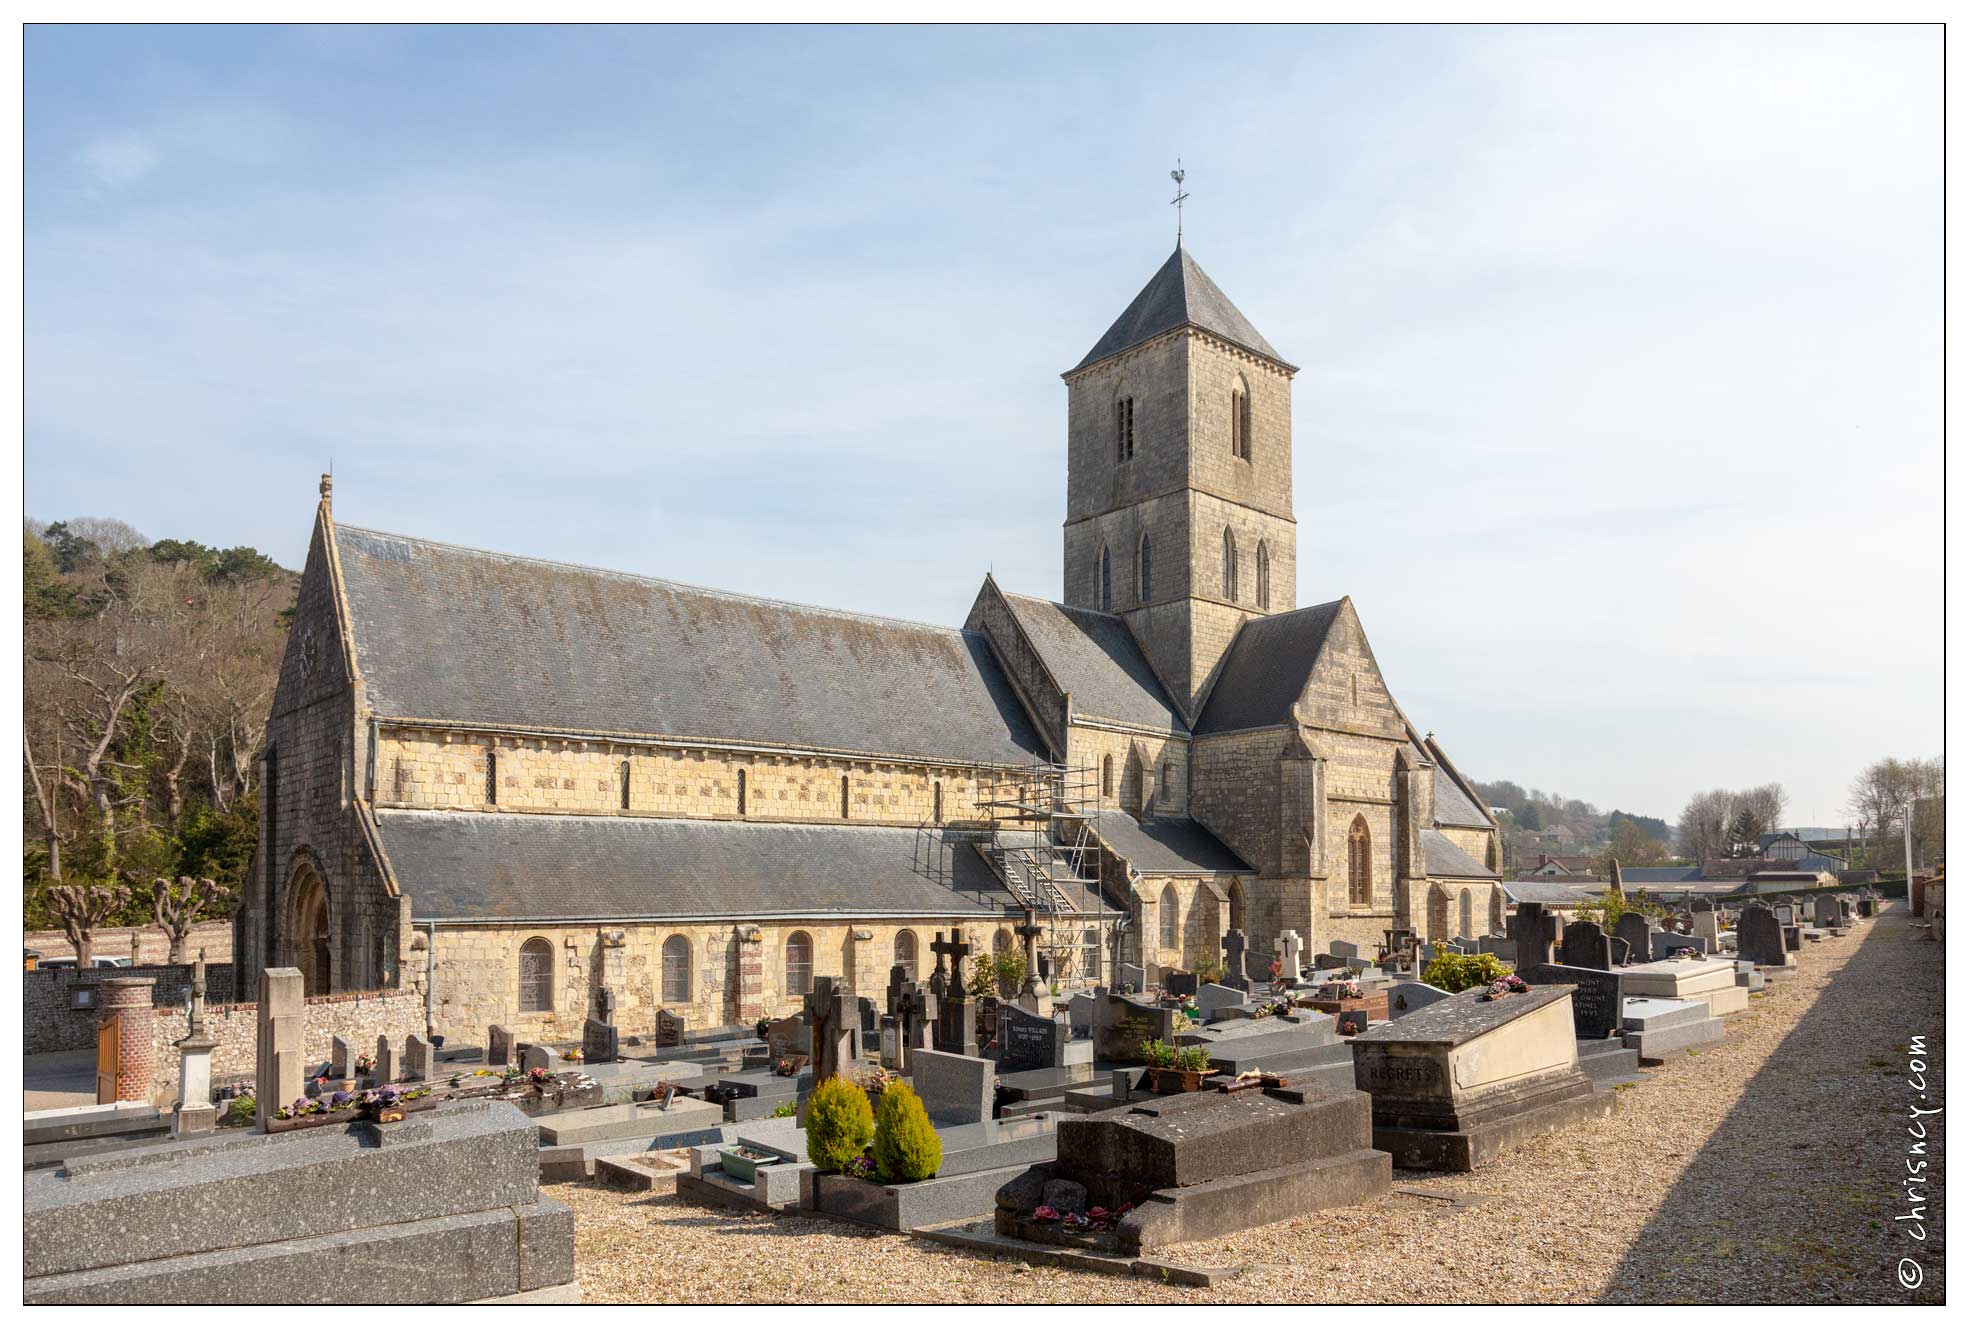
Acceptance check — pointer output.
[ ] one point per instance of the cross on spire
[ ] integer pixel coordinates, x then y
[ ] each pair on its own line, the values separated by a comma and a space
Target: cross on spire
1177, 175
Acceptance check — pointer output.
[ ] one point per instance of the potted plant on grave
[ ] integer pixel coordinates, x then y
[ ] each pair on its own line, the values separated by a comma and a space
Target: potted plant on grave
365, 1063
1173, 1069
1504, 987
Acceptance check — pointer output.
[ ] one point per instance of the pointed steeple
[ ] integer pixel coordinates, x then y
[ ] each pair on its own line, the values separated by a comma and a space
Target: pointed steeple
1180, 294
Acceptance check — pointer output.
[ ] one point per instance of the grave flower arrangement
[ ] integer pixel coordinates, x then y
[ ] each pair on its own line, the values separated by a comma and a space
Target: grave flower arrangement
1350, 1027
539, 1076
1685, 953
365, 1063
573, 1054
786, 1066
1346, 988
1504, 987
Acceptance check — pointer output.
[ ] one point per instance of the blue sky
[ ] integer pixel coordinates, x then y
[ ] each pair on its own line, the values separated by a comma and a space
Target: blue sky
1619, 414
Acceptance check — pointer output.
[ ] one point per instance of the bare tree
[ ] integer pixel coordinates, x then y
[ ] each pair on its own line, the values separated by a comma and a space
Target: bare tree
176, 908
83, 907
1703, 831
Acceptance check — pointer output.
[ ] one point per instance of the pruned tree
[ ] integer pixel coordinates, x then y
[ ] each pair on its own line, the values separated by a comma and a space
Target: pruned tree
81, 908
177, 907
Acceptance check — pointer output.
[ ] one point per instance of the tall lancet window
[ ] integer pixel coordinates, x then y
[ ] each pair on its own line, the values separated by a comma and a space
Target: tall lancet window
1148, 582
1230, 565
1360, 864
1240, 422
1264, 576
1107, 583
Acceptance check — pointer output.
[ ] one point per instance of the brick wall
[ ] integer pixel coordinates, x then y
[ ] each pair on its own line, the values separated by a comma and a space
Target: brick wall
51, 1022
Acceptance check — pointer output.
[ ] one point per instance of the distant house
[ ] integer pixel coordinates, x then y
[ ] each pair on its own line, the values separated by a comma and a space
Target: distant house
1554, 865
1789, 849
1562, 897
1657, 876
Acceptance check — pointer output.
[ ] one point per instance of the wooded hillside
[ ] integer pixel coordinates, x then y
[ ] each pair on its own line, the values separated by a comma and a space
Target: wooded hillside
150, 667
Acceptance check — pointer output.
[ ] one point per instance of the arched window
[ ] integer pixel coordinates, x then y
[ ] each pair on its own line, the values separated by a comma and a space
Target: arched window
1172, 934
677, 969
1124, 428
1360, 864
906, 953
1164, 793
1001, 941
1464, 914
1147, 582
1240, 422
936, 802
1107, 583
491, 776
625, 786
537, 975
1107, 776
799, 965
1264, 576
1230, 565
844, 798
741, 791
1236, 893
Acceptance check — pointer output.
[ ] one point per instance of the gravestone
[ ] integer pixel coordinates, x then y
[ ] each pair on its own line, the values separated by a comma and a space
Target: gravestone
194, 1113
866, 1007
1825, 912
1409, 996
1459, 1082
416, 1058
898, 980
1584, 946
1786, 915
1346, 950
1760, 937
386, 1061
912, 1024
1080, 1014
829, 1014
1179, 983
599, 1042
341, 1059
282, 1021
1708, 926
1596, 998
540, 1057
787, 1036
1234, 970
1500, 946
956, 1029
1028, 1042
1122, 1025
956, 1090
1133, 978
1292, 955
498, 1045
1794, 936
1633, 929
1534, 932
1214, 997
670, 1027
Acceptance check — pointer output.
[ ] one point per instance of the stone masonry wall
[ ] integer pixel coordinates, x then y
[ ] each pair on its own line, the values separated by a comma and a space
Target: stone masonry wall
1201, 922
433, 769
1234, 791
357, 1016
1086, 746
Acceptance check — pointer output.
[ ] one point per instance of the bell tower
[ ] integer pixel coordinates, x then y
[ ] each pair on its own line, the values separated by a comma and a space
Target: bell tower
1179, 476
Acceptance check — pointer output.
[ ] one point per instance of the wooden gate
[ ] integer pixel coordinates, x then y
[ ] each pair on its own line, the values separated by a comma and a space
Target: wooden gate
108, 1043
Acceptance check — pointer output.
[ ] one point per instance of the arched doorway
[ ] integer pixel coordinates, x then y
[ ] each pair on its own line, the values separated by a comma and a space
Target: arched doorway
307, 930
1236, 894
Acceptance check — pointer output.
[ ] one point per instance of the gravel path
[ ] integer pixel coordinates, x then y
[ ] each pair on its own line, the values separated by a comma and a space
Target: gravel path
1765, 1169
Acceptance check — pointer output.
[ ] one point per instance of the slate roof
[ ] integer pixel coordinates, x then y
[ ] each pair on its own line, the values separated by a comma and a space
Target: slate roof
1557, 893
1096, 659
445, 633
1167, 845
1453, 806
1265, 670
1443, 859
1644, 876
1181, 293
516, 865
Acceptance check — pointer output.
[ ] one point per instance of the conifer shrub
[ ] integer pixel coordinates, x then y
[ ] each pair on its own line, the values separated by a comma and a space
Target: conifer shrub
906, 1146
838, 1124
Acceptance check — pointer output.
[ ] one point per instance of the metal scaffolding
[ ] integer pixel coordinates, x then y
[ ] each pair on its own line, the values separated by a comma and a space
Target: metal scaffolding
1040, 823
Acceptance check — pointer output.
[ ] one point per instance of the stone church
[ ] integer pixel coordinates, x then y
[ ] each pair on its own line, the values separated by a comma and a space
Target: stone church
506, 782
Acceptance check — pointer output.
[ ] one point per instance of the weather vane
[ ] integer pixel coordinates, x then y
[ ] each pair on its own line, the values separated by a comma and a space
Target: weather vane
1177, 176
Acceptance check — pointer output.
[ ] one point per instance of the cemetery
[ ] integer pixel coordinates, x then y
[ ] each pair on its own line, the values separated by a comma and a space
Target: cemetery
1090, 1129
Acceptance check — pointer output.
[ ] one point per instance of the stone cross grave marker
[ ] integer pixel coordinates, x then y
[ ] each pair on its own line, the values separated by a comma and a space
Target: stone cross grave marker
953, 950
599, 1040
1034, 996
1234, 974
1584, 945
829, 1014
912, 1023
278, 1073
